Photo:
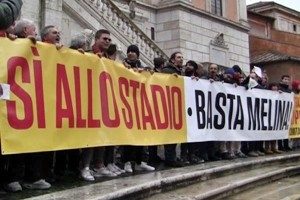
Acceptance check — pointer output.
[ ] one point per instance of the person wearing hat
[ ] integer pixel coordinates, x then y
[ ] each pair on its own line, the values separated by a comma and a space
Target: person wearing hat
238, 74
132, 60
252, 81
228, 76
9, 12
134, 153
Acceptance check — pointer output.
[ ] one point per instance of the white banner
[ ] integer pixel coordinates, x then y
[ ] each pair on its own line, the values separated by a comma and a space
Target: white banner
222, 112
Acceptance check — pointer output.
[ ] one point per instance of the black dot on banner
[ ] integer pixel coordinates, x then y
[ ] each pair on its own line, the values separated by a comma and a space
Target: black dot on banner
189, 111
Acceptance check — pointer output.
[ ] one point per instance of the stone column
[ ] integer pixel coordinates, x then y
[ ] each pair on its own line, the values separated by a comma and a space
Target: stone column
242, 11
52, 13
31, 10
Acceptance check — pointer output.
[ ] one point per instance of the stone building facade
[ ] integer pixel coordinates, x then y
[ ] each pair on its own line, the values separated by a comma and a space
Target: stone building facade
274, 43
203, 30
192, 28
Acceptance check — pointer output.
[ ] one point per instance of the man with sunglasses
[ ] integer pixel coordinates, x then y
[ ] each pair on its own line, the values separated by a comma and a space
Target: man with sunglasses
102, 42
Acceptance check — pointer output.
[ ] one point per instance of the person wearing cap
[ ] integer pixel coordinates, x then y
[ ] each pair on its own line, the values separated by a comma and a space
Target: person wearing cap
238, 74
9, 12
134, 153
228, 76
254, 78
132, 60
237, 69
253, 81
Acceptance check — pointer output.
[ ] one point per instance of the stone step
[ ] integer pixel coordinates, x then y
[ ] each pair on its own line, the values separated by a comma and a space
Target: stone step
284, 189
145, 185
222, 187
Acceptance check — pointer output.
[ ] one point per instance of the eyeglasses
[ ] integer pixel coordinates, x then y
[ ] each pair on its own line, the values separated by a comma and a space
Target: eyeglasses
107, 39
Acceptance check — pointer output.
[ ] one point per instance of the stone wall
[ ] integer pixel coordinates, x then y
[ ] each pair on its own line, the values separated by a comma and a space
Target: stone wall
191, 31
192, 34
32, 10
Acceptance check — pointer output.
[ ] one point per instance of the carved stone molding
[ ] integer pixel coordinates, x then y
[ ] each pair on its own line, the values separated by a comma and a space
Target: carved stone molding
219, 41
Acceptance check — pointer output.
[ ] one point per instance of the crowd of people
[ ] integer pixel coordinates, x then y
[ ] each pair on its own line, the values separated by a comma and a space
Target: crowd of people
40, 170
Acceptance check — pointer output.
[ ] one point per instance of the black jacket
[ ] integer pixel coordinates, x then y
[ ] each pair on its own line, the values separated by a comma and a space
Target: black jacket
134, 64
284, 88
171, 69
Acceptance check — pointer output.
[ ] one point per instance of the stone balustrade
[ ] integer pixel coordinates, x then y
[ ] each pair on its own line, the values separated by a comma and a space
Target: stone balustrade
126, 27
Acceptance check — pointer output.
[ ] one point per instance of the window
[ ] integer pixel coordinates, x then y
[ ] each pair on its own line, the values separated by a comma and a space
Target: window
216, 7
152, 33
294, 27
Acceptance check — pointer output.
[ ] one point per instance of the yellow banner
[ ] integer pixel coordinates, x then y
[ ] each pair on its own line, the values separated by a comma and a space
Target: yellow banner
62, 99
295, 124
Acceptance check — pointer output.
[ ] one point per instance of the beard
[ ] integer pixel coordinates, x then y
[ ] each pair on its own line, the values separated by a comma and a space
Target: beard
189, 73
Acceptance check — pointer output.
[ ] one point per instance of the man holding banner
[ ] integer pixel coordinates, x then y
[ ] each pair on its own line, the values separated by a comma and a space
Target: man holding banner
173, 67
284, 85
9, 12
210, 149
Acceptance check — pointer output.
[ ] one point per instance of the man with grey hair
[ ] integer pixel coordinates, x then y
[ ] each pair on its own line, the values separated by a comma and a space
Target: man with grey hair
50, 34
78, 42
82, 41
25, 28
32, 176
